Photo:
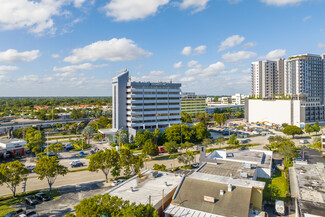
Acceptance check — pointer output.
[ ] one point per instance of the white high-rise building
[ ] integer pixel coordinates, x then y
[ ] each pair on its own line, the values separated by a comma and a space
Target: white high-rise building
267, 78
144, 105
304, 75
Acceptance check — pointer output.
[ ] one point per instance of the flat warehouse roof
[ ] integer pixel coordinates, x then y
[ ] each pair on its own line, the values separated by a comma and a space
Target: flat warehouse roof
148, 186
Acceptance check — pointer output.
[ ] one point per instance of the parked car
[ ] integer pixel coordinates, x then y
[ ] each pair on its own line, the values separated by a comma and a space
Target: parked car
30, 168
195, 165
117, 182
92, 152
51, 154
30, 200
82, 153
304, 141
42, 197
69, 147
15, 213
29, 214
76, 163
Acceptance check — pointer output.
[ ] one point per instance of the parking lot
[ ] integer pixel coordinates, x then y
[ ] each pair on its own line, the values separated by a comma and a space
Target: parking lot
71, 195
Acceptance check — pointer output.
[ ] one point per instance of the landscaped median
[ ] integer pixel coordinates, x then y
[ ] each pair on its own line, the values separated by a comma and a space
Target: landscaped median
7, 203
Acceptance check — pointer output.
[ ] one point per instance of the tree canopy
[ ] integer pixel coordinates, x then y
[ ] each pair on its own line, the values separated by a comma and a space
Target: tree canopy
292, 130
35, 139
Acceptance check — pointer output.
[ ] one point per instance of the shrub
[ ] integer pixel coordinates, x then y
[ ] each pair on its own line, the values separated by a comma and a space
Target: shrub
161, 167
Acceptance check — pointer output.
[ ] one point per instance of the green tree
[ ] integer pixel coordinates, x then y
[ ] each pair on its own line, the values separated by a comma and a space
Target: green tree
220, 119
35, 139
220, 141
150, 148
126, 160
186, 118
54, 147
186, 158
88, 131
106, 161
171, 147
12, 174
174, 133
288, 150
186, 145
201, 131
233, 140
316, 128
292, 130
49, 168
156, 135
277, 139
106, 205
309, 129
122, 136
207, 141
202, 117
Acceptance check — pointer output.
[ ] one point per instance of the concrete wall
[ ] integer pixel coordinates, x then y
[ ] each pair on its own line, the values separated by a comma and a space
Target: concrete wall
273, 111
257, 198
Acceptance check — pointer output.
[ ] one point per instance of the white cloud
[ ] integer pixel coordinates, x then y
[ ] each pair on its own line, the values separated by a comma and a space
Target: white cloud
246, 71
78, 3
156, 73
55, 56
306, 18
122, 49
178, 65
126, 10
200, 50
234, 1
74, 68
187, 51
197, 5
11, 55
34, 15
282, 2
249, 45
6, 69
321, 45
275, 54
230, 42
193, 63
238, 56
213, 69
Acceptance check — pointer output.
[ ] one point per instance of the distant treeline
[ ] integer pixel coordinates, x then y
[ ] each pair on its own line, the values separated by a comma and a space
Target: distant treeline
19, 102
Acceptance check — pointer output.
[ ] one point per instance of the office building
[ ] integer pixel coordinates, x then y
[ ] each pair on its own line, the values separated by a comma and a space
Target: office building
192, 103
144, 105
267, 78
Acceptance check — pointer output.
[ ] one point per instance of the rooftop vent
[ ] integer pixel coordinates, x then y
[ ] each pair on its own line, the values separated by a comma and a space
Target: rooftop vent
222, 192
247, 165
131, 189
229, 187
243, 174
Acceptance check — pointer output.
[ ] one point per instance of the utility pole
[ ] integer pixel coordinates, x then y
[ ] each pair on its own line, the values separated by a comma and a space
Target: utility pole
162, 202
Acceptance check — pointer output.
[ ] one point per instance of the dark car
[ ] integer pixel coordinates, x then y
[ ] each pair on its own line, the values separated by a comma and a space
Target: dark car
42, 197
69, 148
76, 164
31, 214
15, 213
30, 200
51, 154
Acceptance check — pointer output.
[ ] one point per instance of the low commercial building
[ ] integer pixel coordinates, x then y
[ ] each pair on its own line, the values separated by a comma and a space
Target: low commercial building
297, 112
14, 147
155, 188
307, 189
211, 192
211, 107
192, 103
236, 162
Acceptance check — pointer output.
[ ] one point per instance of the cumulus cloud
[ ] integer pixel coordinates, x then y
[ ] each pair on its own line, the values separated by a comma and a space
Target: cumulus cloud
6, 69
74, 68
34, 15
282, 2
196, 5
200, 50
238, 56
178, 65
55, 56
187, 51
78, 3
156, 75
11, 56
249, 45
213, 69
122, 49
126, 10
35, 79
275, 54
306, 18
230, 42
321, 45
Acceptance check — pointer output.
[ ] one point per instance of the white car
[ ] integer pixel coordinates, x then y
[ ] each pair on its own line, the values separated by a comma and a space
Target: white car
117, 182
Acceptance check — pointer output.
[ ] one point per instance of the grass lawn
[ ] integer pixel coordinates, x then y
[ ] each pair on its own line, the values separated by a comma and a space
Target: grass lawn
280, 182
6, 203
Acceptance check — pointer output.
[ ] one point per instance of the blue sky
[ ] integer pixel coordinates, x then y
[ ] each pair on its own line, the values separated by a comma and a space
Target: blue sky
75, 47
